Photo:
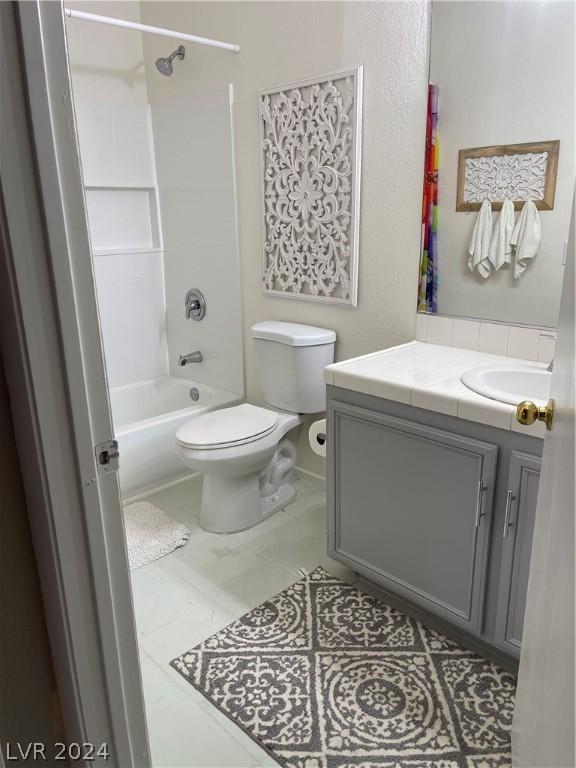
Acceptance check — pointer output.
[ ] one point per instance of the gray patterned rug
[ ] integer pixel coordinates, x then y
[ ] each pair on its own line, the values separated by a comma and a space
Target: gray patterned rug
325, 676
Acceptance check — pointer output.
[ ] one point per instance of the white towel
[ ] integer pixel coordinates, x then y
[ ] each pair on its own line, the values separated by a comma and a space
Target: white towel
526, 237
500, 247
480, 241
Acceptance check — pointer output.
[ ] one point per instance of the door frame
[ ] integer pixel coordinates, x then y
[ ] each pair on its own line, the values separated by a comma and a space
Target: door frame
54, 364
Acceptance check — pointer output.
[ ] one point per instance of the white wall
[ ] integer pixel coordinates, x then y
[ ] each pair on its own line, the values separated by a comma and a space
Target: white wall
116, 150
106, 62
284, 41
505, 71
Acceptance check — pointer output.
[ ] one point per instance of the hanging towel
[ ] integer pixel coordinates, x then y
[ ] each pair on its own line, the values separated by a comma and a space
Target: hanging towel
500, 247
480, 241
526, 237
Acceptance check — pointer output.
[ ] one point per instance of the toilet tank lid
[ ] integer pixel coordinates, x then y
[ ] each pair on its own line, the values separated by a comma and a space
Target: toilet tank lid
294, 334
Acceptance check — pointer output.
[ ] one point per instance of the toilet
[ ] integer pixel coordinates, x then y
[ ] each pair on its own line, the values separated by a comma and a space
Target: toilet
242, 451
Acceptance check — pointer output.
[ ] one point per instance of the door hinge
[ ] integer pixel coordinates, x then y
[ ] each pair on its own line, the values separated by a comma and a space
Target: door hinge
107, 457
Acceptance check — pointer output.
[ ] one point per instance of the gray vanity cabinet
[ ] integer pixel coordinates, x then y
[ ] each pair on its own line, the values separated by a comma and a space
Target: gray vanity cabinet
435, 514
522, 492
411, 509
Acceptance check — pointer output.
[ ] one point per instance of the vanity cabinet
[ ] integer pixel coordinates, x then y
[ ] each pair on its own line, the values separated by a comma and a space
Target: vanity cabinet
417, 505
412, 507
521, 497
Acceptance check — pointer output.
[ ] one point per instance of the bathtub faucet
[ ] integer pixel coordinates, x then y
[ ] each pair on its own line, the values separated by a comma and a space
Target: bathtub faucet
191, 357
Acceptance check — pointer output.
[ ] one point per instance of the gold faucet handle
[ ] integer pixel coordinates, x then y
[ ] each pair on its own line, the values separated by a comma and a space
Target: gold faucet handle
528, 412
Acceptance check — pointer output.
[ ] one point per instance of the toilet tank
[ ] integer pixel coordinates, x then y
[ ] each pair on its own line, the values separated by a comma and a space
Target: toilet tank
291, 359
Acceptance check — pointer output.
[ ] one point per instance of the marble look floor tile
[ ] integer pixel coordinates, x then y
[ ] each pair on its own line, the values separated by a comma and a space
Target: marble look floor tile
299, 542
268, 762
303, 555
160, 596
184, 731
157, 684
232, 577
195, 625
306, 484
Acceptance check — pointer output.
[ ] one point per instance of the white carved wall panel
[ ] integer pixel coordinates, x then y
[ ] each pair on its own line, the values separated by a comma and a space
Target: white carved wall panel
311, 148
518, 177
517, 172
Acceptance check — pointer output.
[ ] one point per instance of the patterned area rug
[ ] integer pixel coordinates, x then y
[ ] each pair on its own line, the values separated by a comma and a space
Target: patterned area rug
325, 676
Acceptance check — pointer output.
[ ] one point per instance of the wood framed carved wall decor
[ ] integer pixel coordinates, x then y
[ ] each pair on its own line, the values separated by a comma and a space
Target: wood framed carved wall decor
519, 172
310, 134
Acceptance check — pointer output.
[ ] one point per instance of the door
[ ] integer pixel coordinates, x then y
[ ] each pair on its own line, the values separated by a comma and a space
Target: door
543, 726
412, 508
54, 366
523, 479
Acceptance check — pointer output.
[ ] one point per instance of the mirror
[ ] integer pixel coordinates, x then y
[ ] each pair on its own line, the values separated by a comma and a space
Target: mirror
500, 126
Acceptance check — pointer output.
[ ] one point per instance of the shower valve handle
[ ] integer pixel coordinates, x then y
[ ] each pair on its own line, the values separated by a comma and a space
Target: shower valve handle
195, 305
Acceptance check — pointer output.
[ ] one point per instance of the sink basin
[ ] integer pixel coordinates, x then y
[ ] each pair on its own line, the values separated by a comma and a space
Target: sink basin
510, 383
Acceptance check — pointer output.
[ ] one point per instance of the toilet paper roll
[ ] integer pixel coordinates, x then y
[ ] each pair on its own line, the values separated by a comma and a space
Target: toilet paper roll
317, 437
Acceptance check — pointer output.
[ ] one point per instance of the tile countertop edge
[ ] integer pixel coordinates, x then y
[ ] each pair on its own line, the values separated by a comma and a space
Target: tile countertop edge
428, 377
361, 358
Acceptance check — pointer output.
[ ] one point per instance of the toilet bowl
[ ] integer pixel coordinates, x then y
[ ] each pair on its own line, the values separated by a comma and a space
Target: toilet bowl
243, 452
246, 462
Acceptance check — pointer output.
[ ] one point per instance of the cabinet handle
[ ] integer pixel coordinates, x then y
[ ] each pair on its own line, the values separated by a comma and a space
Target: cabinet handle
479, 513
509, 499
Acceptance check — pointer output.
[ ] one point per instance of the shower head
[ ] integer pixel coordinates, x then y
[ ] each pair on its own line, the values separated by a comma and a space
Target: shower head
164, 66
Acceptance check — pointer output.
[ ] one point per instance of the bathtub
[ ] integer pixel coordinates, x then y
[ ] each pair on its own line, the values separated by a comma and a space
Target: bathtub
146, 417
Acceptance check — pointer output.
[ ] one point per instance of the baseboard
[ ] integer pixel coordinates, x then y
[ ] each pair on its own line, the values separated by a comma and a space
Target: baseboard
310, 474
162, 486
157, 488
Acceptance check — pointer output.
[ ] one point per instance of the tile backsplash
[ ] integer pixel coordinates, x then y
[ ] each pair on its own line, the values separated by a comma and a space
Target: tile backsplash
494, 338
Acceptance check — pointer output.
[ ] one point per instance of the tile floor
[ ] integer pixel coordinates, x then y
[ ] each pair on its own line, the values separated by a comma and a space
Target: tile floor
197, 590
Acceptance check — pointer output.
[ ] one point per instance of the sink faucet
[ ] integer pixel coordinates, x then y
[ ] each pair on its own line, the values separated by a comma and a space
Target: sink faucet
191, 357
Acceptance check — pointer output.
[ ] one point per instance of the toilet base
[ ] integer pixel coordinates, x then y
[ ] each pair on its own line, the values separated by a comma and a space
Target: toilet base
284, 496
234, 504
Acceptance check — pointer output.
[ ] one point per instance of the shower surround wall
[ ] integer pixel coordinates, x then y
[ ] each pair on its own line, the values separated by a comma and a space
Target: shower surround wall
192, 128
286, 41
113, 116
159, 177
159, 181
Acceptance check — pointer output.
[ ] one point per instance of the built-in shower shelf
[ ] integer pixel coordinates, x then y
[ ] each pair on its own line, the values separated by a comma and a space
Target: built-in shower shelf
123, 251
123, 219
125, 185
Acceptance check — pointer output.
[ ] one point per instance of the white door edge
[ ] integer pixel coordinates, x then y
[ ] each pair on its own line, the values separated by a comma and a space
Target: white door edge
543, 733
54, 366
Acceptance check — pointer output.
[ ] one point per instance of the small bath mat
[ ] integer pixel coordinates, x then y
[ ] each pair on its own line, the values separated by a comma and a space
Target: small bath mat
325, 676
150, 533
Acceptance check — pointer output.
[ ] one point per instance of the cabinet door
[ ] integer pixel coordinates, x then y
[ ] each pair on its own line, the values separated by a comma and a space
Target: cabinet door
516, 549
410, 509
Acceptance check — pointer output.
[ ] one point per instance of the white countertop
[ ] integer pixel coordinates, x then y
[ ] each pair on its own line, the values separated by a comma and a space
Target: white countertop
428, 376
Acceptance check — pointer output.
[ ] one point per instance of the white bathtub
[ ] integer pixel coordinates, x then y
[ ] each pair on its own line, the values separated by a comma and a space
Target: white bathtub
146, 417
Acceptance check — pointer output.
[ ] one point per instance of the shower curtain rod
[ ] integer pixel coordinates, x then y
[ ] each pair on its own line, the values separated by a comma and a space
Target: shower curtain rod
147, 28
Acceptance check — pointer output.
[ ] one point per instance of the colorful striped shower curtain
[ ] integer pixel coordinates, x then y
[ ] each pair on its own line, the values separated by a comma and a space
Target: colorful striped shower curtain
427, 299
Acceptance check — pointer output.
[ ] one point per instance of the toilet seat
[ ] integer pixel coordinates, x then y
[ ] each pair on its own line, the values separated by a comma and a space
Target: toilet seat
227, 427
